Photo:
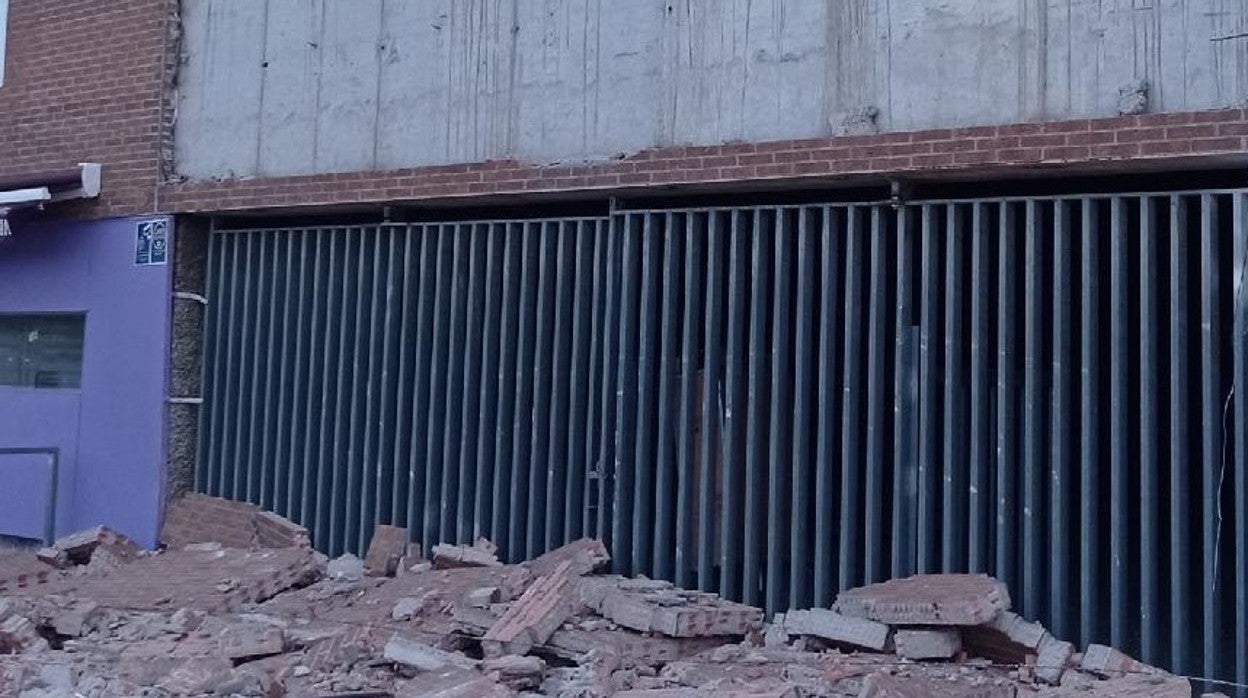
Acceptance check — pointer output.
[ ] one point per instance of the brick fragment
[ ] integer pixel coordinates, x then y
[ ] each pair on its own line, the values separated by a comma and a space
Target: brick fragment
409, 607
534, 617
78, 547
1108, 662
19, 635
452, 683
928, 643
1052, 658
834, 627
76, 619
197, 675
343, 648
1130, 686
482, 597
884, 686
927, 599
1008, 639
652, 606
52, 556
520, 673
446, 556
422, 657
586, 555
243, 640
387, 548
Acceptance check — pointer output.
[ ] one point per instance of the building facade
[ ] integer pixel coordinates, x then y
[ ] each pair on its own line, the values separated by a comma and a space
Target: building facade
85, 282
776, 297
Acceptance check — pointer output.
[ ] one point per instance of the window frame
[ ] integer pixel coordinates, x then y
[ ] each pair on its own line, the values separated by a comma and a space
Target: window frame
81, 317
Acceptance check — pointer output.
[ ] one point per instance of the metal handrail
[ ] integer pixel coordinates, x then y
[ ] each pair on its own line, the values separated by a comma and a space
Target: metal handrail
54, 460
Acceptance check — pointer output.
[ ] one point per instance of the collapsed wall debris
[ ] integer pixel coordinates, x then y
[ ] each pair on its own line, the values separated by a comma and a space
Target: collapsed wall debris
262, 616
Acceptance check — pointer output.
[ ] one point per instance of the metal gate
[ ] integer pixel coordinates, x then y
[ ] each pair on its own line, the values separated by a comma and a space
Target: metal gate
773, 402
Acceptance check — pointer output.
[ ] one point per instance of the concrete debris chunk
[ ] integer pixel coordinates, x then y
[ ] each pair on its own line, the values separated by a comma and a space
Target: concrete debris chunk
197, 675
78, 548
346, 567
480, 554
1052, 658
75, 619
928, 643
834, 627
520, 673
673, 612
1008, 639
1108, 662
387, 548
586, 556
482, 597
880, 685
422, 657
243, 640
54, 557
1130, 686
927, 599
534, 617
409, 607
456, 683
186, 620
19, 635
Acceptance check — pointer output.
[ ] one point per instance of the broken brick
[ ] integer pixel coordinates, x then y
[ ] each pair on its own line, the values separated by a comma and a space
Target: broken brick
79, 547
243, 640
387, 548
928, 643
1108, 662
520, 673
51, 556
834, 627
447, 556
885, 686
673, 612
531, 619
1052, 658
422, 657
927, 599
586, 555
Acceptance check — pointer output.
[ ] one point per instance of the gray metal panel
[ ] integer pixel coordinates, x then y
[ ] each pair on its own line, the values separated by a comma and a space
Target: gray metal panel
487, 378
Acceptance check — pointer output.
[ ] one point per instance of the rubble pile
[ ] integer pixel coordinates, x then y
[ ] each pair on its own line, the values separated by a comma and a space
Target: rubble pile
96, 616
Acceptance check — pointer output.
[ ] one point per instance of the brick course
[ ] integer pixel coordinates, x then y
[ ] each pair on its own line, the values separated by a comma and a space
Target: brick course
1111, 144
85, 82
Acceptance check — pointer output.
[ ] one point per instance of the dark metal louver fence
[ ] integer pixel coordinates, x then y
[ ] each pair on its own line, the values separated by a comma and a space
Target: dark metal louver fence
775, 403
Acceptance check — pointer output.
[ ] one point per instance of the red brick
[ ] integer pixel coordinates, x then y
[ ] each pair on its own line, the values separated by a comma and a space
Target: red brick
1213, 145
1136, 135
1067, 152
1198, 131
1116, 150
90, 97
1233, 129
1166, 147
1043, 141
1014, 144
997, 143
1090, 138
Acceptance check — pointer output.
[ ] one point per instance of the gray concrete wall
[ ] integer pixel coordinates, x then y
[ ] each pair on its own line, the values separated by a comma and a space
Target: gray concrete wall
278, 87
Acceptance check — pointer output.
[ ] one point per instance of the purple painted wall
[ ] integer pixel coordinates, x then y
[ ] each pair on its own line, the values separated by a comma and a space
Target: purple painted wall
112, 431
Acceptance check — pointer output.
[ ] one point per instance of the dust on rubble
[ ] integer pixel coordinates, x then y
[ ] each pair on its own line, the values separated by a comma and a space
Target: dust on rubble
94, 615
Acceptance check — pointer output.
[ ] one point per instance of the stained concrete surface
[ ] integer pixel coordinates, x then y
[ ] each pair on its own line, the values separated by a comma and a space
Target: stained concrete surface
279, 87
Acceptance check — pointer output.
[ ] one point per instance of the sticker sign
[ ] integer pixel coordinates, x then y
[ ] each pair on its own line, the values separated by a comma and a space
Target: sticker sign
152, 243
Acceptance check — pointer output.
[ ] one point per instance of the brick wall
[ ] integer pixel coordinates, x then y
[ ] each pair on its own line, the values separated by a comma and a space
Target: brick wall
1190, 139
85, 82
199, 518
